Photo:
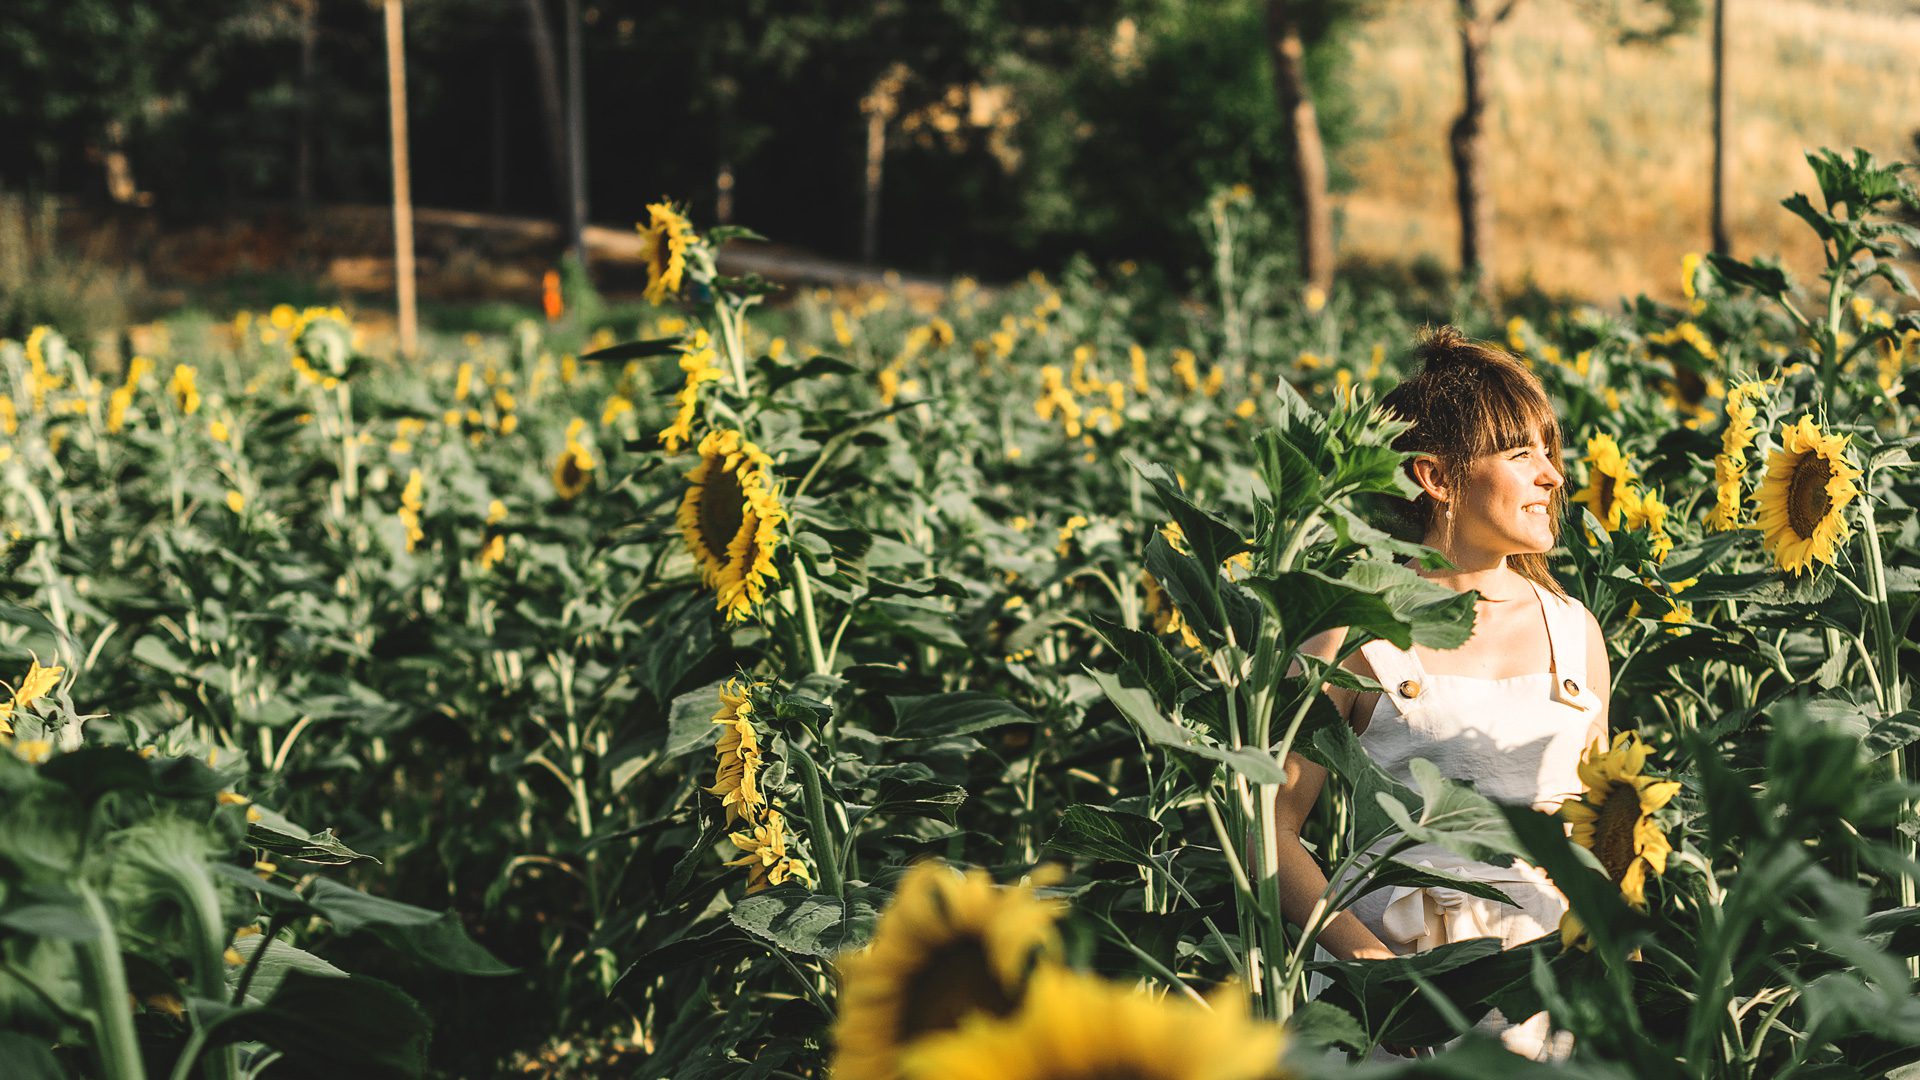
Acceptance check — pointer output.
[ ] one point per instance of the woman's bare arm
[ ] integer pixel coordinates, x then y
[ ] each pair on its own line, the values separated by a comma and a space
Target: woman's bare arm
1302, 879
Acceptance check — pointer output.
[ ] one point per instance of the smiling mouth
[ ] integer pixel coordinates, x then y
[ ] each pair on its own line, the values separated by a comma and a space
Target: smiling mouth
1534, 508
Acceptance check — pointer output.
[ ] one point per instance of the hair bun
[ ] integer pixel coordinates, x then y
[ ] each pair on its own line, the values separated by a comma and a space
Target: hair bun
1444, 348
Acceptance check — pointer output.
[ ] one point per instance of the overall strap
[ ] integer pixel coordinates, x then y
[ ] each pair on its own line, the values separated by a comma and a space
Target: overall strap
1397, 670
1567, 645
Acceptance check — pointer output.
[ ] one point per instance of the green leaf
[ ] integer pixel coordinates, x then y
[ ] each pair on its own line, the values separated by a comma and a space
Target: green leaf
1137, 706
434, 937
28, 1058
1768, 281
919, 798
1150, 661
281, 837
278, 960
1193, 586
635, 350
1337, 749
1292, 479
1394, 873
1455, 817
1308, 602
814, 924
1319, 1023
690, 725
1099, 832
329, 1026
937, 716
1211, 539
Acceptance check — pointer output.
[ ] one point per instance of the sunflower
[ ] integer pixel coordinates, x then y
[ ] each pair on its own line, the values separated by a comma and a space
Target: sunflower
574, 467
1078, 1027
1804, 495
949, 946
1613, 817
664, 241
1162, 615
730, 518
737, 757
766, 857
37, 682
184, 390
1609, 490
697, 360
1730, 465
412, 501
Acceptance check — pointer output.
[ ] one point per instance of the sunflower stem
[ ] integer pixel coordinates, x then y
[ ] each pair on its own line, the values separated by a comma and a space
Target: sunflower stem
1890, 688
823, 850
809, 626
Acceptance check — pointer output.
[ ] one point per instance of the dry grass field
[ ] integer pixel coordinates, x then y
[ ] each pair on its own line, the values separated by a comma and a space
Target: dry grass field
1601, 152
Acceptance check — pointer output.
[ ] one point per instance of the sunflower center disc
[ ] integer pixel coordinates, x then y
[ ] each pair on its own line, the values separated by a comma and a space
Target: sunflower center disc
953, 981
1613, 831
1606, 495
722, 509
1807, 498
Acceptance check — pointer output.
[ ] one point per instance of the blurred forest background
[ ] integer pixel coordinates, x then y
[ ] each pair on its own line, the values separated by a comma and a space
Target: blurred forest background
229, 141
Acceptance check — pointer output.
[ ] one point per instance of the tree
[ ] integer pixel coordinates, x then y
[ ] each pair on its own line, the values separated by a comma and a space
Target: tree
1631, 22
1313, 210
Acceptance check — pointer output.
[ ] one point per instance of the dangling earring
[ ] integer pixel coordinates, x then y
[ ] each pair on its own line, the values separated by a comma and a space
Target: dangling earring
1449, 511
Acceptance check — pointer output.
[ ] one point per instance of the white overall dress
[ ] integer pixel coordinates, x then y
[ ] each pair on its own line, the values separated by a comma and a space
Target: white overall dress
1517, 740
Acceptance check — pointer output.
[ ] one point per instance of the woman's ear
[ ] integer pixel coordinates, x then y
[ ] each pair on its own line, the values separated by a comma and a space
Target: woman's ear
1428, 473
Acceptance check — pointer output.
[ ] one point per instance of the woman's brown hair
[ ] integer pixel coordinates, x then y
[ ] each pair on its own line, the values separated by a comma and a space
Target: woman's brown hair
1472, 398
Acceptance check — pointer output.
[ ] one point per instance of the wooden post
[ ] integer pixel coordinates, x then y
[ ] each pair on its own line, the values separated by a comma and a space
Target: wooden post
1468, 145
576, 135
1722, 241
402, 183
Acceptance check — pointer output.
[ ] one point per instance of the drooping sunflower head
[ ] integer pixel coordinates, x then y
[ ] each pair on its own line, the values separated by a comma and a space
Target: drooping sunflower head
1609, 492
1613, 817
664, 239
737, 760
1803, 498
1078, 1027
948, 947
730, 518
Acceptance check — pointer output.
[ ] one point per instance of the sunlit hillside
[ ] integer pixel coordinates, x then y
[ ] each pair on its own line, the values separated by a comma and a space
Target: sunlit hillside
1601, 182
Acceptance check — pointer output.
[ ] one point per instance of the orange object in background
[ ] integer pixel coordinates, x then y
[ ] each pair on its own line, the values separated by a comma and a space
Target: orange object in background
550, 295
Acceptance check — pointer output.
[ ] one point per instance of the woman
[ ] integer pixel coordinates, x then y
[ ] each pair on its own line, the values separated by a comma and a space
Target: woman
1509, 711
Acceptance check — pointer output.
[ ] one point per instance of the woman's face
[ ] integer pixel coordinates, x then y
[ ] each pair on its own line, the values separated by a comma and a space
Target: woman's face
1505, 508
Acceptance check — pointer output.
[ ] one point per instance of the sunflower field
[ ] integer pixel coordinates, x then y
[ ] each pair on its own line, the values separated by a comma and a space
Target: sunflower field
888, 684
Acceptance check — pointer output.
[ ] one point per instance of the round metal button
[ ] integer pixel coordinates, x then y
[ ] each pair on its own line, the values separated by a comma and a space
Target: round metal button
1572, 688
1409, 689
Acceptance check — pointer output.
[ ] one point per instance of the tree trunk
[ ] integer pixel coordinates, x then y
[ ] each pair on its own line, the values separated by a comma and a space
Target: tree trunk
402, 182
876, 161
1722, 243
576, 136
1312, 209
546, 70
119, 168
1467, 142
303, 136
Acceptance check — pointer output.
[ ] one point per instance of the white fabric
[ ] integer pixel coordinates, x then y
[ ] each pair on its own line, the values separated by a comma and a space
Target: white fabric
1516, 740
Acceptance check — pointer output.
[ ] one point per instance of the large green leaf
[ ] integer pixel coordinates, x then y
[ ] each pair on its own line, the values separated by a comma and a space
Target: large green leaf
937, 716
1394, 873
1212, 540
1455, 817
1153, 666
815, 924
1336, 748
1101, 832
278, 959
431, 936
1308, 602
690, 725
327, 1026
1137, 705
